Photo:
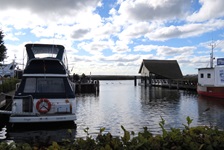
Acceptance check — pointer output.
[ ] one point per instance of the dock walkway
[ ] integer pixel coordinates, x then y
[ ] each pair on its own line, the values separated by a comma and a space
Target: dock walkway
88, 87
186, 83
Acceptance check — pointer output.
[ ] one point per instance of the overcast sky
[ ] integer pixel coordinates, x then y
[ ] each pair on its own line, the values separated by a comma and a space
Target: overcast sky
114, 36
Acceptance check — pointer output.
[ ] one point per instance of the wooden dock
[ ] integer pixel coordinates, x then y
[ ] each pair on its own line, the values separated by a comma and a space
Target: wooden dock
186, 83
172, 84
88, 87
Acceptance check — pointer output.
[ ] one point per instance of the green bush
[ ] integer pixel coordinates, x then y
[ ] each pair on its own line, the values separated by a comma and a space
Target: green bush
8, 84
190, 138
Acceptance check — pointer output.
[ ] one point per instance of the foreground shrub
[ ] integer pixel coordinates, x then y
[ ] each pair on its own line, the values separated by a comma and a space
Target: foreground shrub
190, 138
8, 84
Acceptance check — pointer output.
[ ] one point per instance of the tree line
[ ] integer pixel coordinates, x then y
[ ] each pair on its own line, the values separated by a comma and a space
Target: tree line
3, 48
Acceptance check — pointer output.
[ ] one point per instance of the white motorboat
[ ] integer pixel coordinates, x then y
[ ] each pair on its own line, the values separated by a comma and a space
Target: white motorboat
45, 93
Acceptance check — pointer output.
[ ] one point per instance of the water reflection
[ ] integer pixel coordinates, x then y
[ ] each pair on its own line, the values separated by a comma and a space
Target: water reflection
159, 102
121, 103
134, 107
211, 111
149, 94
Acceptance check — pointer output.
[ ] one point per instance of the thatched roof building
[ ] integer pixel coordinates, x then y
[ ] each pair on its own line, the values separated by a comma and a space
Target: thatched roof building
161, 69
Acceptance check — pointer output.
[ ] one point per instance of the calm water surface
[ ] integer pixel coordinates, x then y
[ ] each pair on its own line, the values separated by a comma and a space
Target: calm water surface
121, 103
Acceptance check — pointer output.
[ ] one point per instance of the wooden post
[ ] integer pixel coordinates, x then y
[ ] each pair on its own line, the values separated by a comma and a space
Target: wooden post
178, 84
145, 81
98, 86
150, 80
94, 86
169, 82
79, 88
135, 81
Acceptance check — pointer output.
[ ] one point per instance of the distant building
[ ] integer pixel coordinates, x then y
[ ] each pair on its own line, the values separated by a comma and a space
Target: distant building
159, 69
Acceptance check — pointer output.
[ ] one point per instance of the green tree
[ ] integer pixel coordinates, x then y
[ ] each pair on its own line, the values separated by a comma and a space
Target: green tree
3, 49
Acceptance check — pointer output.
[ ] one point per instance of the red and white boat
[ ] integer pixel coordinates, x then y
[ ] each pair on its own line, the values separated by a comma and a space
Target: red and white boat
211, 80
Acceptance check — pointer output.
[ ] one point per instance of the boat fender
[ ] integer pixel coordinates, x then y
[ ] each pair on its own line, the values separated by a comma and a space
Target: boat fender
43, 105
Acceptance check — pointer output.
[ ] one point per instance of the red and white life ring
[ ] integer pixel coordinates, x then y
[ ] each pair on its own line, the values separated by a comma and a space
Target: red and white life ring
43, 105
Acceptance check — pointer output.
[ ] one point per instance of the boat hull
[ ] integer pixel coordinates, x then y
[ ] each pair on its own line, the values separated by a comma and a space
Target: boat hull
217, 92
38, 110
39, 119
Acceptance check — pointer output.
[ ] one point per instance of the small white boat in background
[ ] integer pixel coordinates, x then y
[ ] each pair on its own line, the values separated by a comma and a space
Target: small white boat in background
8, 70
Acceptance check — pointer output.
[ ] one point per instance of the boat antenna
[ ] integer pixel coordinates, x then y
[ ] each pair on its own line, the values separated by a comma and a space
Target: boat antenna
52, 49
213, 45
23, 58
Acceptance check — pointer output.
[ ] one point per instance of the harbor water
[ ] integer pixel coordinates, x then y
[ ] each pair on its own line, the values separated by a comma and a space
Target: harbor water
134, 107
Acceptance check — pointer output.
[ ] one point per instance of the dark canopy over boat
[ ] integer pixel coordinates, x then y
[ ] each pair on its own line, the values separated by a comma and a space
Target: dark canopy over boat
45, 76
33, 49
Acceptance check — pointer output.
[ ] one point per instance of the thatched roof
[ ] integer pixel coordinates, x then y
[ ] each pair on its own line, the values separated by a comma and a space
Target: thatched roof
166, 68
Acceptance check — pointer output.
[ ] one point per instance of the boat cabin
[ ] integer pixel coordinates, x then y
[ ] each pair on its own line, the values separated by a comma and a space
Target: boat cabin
211, 76
211, 80
45, 93
45, 76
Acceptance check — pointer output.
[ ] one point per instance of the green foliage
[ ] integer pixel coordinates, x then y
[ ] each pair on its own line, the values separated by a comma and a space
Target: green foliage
9, 84
3, 49
14, 146
190, 138
161, 124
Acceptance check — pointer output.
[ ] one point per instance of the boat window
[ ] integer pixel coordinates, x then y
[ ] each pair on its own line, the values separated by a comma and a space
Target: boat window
50, 85
208, 75
202, 75
30, 85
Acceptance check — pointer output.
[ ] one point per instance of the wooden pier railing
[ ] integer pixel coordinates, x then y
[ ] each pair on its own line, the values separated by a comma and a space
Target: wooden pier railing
186, 83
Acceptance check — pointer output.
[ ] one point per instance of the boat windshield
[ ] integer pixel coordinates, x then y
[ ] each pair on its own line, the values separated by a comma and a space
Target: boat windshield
45, 50
44, 85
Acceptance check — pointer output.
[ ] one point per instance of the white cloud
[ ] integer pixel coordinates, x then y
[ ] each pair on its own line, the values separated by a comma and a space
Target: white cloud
210, 9
31, 13
120, 58
20, 33
50, 7
170, 51
116, 40
136, 30
96, 47
145, 48
184, 31
106, 31
165, 50
121, 47
79, 33
16, 52
11, 37
22, 19
145, 10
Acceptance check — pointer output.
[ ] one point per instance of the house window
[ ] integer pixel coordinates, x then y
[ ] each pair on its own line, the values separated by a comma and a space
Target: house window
208, 75
202, 75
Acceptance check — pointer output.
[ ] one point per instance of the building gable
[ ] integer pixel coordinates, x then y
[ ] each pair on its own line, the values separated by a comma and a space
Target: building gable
165, 68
